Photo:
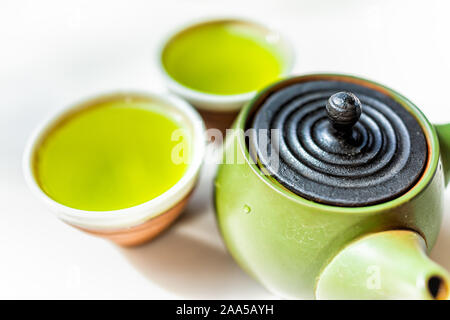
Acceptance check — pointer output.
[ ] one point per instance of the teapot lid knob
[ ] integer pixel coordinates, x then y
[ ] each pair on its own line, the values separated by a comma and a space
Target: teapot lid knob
343, 110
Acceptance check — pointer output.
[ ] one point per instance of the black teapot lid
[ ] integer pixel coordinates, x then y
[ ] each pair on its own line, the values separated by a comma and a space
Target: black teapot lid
338, 142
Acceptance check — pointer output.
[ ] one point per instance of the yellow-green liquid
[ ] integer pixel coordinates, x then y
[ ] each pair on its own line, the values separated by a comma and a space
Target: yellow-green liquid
222, 58
114, 155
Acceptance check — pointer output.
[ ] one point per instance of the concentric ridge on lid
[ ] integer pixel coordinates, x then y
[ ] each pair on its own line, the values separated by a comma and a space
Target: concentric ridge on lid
376, 159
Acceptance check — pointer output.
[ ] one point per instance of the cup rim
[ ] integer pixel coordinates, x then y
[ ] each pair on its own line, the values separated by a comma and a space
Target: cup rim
427, 127
130, 216
221, 102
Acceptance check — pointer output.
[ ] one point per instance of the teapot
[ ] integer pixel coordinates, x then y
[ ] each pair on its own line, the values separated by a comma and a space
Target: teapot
335, 191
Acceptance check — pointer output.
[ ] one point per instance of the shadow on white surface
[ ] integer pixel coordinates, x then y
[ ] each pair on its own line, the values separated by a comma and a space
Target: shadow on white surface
192, 269
190, 259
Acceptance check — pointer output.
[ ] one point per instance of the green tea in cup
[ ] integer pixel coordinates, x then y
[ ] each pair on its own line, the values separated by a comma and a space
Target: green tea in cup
113, 154
224, 57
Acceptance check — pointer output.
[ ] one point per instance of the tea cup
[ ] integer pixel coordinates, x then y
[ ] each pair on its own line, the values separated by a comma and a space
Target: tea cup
219, 110
140, 223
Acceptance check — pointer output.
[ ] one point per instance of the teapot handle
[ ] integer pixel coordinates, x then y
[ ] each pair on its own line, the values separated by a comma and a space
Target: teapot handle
373, 267
443, 133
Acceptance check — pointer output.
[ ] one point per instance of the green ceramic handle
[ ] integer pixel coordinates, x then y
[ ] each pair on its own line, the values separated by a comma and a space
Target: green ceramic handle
384, 265
443, 132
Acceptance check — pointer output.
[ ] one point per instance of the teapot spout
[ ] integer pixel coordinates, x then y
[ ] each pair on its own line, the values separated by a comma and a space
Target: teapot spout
443, 132
384, 265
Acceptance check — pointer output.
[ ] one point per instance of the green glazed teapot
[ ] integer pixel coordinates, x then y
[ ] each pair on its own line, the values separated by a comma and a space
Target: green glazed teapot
332, 188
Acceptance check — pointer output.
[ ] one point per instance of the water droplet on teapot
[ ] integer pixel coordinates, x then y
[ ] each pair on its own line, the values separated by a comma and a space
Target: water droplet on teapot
247, 209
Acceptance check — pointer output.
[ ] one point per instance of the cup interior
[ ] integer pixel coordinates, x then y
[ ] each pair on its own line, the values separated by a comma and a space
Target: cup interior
174, 108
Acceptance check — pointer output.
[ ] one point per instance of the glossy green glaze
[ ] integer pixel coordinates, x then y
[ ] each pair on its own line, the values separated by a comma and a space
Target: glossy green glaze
373, 268
285, 241
443, 132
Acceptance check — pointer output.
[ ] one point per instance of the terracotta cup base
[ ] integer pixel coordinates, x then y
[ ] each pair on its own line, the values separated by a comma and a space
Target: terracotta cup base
218, 120
144, 232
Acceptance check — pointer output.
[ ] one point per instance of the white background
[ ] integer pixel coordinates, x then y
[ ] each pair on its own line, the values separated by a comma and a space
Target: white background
56, 52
